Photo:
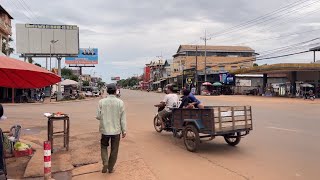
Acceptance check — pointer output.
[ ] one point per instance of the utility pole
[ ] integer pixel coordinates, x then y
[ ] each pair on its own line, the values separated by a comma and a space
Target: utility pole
196, 78
52, 44
205, 54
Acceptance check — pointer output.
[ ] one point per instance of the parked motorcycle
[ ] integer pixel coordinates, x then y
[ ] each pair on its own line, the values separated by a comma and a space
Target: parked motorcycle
309, 96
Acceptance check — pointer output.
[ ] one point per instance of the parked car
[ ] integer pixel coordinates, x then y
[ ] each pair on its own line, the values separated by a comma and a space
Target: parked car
88, 94
96, 93
251, 92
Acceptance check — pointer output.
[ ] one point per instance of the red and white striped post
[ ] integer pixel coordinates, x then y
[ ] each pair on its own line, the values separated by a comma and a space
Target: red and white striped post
47, 159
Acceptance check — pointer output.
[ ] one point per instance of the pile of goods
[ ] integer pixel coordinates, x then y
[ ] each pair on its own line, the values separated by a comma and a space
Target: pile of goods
22, 149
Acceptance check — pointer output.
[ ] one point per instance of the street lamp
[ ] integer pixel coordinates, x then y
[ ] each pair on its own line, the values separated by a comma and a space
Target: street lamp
52, 42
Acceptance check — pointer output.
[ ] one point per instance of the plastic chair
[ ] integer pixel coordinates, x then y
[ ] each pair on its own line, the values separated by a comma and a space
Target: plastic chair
3, 170
15, 130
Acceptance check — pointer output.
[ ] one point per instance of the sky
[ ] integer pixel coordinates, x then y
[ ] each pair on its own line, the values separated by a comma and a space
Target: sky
131, 33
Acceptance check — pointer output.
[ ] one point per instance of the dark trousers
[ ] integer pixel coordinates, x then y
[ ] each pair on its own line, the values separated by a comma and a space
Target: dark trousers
115, 141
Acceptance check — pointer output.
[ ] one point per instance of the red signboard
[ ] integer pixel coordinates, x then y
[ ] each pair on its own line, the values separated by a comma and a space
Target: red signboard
146, 77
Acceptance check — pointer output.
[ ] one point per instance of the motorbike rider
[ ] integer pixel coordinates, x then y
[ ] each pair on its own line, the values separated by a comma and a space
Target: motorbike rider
170, 100
186, 102
118, 92
195, 102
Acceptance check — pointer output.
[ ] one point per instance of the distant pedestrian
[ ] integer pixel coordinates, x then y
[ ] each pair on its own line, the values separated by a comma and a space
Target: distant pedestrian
112, 117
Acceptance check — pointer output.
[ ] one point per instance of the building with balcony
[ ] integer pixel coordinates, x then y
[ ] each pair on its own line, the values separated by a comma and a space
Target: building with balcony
5, 29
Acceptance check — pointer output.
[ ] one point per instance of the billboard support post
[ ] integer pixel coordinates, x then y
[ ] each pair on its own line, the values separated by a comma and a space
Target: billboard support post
59, 93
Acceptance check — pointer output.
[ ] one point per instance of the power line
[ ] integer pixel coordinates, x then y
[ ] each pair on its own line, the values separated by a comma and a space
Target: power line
288, 47
277, 50
13, 3
278, 37
260, 17
29, 9
268, 17
269, 28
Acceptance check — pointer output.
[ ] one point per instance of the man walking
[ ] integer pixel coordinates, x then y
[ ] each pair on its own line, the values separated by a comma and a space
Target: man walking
112, 117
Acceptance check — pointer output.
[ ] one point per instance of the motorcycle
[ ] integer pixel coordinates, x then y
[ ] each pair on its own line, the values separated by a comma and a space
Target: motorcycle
118, 93
167, 122
309, 96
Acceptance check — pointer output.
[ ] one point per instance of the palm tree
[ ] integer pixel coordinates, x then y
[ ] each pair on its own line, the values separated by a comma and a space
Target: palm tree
6, 46
30, 60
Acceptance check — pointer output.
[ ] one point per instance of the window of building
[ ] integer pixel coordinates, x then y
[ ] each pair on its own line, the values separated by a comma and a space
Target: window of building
221, 68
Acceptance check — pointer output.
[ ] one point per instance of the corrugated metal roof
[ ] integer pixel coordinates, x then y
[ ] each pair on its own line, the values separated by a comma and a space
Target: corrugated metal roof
183, 48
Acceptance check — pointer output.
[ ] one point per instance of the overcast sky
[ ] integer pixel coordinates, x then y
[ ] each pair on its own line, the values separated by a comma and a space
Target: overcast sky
130, 33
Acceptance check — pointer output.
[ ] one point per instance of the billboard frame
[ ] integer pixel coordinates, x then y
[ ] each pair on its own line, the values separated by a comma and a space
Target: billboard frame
53, 27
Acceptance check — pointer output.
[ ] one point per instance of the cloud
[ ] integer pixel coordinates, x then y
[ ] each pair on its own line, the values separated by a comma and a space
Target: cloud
130, 33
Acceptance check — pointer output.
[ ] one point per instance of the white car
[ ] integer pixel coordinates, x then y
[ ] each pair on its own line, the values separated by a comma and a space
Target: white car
96, 93
88, 94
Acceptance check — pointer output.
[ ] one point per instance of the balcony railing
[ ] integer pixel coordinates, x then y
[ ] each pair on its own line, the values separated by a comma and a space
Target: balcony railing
6, 27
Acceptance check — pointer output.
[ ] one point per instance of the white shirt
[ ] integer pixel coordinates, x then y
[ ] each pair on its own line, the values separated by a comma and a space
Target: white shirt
171, 101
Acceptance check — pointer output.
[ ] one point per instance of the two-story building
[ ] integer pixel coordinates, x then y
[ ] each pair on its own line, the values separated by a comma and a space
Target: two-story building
5, 30
218, 58
159, 72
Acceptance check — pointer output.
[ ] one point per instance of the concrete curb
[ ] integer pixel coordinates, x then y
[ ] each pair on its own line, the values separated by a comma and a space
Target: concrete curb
59, 102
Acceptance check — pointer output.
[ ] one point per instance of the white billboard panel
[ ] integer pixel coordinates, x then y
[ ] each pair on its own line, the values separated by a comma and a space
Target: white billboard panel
36, 39
60, 45
23, 36
70, 43
243, 82
47, 36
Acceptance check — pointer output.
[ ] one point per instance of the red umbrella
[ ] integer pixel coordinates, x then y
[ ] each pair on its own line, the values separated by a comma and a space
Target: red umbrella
21, 75
206, 84
18, 74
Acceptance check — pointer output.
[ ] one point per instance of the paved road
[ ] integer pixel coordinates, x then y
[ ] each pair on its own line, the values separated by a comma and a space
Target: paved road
283, 145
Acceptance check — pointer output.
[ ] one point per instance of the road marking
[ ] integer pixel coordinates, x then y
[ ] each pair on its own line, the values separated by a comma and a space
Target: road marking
284, 129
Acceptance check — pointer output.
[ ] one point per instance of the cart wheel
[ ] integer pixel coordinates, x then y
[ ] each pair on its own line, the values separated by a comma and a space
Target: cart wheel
191, 138
233, 139
157, 124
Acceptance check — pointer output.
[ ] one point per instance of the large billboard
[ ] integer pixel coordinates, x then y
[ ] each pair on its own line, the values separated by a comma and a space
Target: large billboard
85, 56
44, 39
115, 78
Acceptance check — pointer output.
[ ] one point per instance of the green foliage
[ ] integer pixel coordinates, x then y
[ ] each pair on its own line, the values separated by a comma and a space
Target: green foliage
6, 46
255, 65
66, 72
74, 77
85, 83
129, 82
101, 84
